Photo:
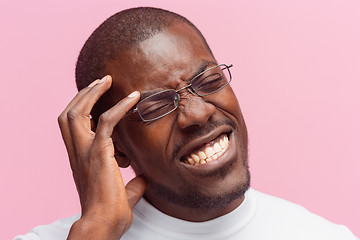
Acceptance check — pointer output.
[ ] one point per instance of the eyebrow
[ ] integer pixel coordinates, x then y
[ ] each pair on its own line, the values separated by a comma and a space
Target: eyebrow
201, 69
146, 94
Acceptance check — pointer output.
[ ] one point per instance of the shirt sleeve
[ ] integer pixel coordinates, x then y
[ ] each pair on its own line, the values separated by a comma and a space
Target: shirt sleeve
57, 230
28, 236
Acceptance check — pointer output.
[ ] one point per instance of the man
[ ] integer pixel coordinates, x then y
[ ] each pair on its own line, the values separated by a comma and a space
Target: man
166, 108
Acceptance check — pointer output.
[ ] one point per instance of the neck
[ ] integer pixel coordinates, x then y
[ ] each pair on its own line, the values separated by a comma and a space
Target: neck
193, 214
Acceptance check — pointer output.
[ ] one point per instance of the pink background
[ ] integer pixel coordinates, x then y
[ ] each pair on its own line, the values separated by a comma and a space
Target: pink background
296, 74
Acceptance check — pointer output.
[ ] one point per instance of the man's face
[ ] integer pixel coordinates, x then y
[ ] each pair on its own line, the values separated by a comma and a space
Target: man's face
159, 150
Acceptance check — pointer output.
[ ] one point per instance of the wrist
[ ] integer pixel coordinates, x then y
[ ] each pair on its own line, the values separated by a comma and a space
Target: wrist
95, 228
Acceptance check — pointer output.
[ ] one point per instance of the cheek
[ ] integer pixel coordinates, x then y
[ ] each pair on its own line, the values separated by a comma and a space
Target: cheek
145, 144
227, 101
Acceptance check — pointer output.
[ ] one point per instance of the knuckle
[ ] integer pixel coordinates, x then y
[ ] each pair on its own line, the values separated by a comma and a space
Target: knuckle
105, 118
72, 114
62, 118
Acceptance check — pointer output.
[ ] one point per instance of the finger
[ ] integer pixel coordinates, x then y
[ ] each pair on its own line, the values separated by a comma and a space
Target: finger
87, 100
135, 190
79, 115
110, 118
63, 120
79, 95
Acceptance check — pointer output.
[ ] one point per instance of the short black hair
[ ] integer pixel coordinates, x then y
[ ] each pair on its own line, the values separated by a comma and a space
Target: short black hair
120, 31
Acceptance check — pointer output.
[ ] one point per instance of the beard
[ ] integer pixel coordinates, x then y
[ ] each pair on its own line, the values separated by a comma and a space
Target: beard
192, 198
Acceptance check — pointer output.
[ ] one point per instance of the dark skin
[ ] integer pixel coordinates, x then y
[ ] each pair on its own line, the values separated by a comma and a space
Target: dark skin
105, 203
155, 150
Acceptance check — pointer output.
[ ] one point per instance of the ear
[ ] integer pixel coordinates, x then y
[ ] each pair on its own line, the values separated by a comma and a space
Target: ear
121, 159
120, 155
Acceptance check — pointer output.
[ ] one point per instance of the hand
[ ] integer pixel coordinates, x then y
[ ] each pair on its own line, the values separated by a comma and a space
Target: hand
105, 203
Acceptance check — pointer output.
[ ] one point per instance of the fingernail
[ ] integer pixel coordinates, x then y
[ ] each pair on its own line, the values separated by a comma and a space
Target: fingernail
104, 79
133, 94
93, 83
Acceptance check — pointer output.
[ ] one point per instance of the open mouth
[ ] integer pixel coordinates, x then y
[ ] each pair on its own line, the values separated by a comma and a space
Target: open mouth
209, 151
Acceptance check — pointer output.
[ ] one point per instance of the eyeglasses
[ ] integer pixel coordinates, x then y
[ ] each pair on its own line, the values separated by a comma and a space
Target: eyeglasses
163, 103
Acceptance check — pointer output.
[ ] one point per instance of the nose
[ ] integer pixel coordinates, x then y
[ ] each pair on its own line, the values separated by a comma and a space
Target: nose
194, 111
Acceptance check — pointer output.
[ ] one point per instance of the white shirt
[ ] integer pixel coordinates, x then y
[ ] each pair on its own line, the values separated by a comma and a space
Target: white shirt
260, 216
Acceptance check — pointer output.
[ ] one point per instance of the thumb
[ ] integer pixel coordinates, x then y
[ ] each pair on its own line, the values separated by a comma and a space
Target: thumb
134, 190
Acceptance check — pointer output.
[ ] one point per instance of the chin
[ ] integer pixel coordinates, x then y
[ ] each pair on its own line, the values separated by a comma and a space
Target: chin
231, 188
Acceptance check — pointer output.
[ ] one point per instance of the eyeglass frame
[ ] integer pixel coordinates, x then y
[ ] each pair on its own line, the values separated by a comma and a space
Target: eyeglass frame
189, 88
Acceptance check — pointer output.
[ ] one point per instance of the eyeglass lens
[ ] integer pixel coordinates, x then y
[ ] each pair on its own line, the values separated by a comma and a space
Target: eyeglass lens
211, 80
163, 103
158, 105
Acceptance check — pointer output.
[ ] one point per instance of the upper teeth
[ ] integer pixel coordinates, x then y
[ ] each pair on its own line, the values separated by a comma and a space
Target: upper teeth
210, 151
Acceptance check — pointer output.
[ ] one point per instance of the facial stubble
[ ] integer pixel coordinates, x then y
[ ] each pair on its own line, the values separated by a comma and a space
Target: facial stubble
191, 197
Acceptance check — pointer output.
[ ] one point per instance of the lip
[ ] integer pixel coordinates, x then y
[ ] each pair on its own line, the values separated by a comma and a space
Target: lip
199, 142
228, 157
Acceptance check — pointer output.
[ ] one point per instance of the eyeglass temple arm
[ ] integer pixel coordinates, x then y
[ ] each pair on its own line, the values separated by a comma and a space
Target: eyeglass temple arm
129, 113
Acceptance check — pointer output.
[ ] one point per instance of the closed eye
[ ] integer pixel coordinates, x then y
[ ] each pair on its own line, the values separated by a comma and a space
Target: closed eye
208, 83
155, 109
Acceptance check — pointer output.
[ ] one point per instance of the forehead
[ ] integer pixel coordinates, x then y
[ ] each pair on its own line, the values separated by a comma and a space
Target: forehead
163, 61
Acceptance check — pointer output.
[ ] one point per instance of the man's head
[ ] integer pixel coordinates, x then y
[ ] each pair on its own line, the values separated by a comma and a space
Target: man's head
151, 50
118, 33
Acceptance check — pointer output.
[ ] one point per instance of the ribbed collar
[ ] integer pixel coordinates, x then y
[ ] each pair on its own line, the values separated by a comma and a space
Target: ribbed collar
221, 227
